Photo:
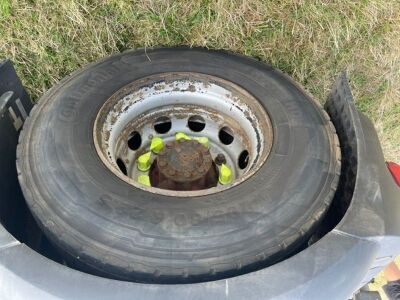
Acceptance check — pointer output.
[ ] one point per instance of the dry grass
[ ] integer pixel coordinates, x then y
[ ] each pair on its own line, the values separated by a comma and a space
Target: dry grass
310, 40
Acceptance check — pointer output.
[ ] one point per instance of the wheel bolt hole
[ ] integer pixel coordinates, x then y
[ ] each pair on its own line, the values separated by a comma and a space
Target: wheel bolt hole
122, 167
243, 160
162, 125
134, 141
196, 123
226, 135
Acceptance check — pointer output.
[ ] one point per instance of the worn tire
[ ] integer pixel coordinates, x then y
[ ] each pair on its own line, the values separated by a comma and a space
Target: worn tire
114, 229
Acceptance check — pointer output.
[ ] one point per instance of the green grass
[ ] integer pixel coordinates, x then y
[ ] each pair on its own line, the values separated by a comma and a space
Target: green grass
310, 40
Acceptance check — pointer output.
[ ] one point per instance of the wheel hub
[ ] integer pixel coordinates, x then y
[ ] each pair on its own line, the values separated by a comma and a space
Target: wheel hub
133, 125
185, 166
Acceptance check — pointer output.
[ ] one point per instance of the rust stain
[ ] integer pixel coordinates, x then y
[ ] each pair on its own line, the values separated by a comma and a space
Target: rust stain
133, 93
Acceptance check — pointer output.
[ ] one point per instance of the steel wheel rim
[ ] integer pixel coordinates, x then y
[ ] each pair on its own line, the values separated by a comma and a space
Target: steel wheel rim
179, 98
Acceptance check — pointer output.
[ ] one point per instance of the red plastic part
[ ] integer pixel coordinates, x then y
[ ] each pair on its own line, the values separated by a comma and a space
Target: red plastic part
395, 170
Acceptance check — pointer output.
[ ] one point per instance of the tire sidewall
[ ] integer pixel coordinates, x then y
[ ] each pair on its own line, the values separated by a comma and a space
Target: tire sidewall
270, 209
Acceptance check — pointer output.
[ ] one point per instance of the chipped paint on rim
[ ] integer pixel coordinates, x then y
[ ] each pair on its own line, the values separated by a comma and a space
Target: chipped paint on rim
178, 96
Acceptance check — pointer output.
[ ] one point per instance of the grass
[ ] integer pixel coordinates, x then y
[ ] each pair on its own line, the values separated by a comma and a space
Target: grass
310, 40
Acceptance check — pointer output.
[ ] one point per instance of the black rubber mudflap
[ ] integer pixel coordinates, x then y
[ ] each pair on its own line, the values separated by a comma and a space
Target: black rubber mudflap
10, 82
15, 105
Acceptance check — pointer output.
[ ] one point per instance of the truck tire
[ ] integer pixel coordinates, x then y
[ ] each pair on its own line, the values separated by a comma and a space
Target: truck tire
107, 226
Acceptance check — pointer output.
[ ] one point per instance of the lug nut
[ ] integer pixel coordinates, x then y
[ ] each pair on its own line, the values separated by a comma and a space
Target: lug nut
203, 141
144, 180
220, 159
181, 136
156, 145
225, 175
144, 162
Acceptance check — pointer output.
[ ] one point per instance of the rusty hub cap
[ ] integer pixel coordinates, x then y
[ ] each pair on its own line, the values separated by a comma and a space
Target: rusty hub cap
184, 166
